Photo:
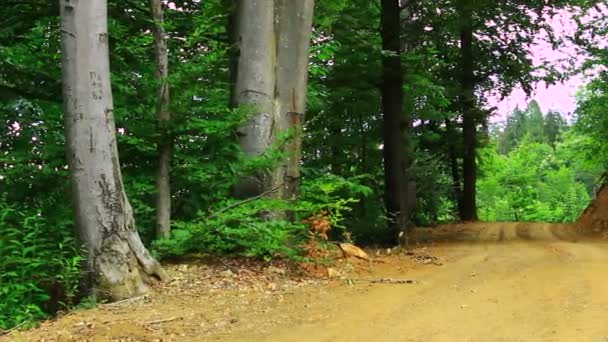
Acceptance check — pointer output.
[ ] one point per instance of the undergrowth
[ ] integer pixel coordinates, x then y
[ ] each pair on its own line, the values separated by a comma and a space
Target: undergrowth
241, 231
40, 268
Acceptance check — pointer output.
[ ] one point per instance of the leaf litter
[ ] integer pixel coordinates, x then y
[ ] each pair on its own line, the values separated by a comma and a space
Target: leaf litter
220, 296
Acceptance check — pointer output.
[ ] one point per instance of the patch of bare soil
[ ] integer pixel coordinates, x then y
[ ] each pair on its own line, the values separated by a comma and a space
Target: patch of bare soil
594, 220
217, 298
470, 282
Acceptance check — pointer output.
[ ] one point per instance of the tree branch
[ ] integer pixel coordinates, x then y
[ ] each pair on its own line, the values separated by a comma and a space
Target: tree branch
251, 199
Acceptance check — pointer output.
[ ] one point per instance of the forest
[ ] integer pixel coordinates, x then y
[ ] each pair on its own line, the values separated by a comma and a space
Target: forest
134, 134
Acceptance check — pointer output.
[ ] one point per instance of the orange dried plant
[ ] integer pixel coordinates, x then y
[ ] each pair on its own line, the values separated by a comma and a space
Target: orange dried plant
319, 224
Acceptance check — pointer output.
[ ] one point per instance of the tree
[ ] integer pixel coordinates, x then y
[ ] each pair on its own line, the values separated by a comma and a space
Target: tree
513, 132
469, 111
394, 122
271, 71
535, 125
118, 264
553, 126
163, 181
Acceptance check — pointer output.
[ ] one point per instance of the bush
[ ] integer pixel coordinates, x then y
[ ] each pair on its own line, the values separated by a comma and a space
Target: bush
40, 268
242, 229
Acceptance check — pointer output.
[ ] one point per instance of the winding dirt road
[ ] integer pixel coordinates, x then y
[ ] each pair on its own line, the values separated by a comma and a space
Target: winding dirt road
501, 282
496, 282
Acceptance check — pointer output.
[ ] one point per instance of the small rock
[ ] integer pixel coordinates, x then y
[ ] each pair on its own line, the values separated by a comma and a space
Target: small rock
227, 273
332, 273
276, 270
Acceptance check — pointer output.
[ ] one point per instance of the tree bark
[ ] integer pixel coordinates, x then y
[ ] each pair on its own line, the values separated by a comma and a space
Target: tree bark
272, 40
163, 115
293, 34
254, 85
393, 117
468, 107
408, 156
118, 264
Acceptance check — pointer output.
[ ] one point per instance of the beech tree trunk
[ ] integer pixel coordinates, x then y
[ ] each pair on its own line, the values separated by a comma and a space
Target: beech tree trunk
271, 66
393, 117
293, 39
469, 117
118, 264
163, 115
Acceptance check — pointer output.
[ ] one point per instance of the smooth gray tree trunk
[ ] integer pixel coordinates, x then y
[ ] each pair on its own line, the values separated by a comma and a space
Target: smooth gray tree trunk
272, 40
293, 33
255, 85
163, 180
119, 265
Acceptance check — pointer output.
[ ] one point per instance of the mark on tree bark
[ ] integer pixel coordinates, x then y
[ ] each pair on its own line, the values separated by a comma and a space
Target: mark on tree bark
96, 86
91, 145
294, 118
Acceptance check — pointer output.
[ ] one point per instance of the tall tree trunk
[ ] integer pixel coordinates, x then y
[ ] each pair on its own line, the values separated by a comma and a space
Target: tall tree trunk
255, 85
469, 110
393, 120
118, 263
163, 180
336, 148
294, 34
272, 40
408, 156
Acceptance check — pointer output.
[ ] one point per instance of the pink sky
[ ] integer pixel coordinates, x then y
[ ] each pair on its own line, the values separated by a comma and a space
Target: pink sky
560, 96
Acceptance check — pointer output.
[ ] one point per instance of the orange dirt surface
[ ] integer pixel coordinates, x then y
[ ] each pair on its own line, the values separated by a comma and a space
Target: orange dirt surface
465, 282
594, 219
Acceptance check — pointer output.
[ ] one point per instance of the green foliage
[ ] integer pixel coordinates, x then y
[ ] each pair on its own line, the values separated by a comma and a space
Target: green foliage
331, 193
537, 179
40, 269
529, 124
543, 170
434, 189
592, 120
240, 230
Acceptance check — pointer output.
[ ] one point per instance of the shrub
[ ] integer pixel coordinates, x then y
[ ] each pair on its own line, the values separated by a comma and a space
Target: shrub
248, 228
40, 268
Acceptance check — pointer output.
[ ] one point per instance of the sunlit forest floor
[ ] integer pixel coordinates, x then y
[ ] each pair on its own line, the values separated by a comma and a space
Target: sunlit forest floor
471, 282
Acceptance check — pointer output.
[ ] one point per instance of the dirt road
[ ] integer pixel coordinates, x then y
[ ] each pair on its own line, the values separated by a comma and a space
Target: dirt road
496, 282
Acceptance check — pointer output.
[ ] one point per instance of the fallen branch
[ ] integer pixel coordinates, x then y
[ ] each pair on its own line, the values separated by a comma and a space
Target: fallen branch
388, 281
6, 332
251, 199
162, 320
128, 300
